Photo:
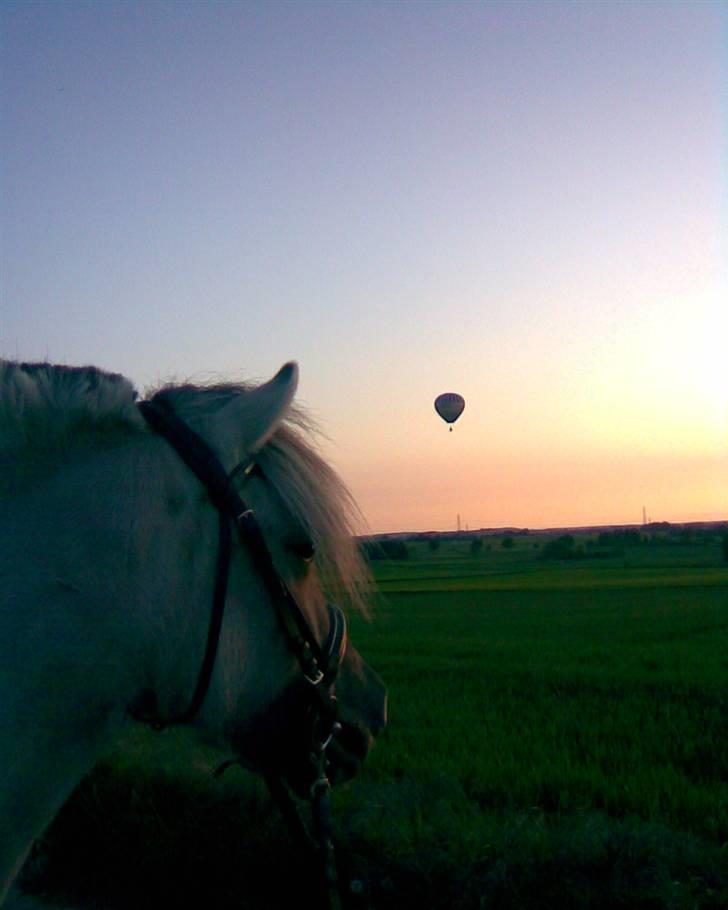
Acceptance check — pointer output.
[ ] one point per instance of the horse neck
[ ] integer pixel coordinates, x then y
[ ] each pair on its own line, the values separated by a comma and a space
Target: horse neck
114, 551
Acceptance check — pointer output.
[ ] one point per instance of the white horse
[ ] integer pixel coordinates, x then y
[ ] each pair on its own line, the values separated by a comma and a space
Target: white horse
109, 548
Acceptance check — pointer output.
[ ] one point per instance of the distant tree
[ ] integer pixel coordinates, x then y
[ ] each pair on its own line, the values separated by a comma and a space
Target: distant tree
434, 544
385, 549
476, 545
395, 549
508, 543
371, 550
724, 544
659, 525
621, 538
562, 548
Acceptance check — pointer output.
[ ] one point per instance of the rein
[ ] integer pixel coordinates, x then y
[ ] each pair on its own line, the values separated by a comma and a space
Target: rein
319, 663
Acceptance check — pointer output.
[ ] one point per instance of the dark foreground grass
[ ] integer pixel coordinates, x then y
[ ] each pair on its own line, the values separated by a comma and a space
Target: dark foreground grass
558, 738
130, 840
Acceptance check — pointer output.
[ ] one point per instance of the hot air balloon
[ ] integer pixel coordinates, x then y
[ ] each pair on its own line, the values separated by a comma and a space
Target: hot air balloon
449, 406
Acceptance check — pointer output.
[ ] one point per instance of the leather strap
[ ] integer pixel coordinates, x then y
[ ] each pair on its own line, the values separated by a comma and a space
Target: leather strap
202, 461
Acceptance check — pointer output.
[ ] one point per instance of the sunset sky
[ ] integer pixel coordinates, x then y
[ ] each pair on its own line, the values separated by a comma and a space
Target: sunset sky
525, 203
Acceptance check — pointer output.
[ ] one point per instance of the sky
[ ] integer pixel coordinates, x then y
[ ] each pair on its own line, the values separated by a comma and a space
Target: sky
525, 203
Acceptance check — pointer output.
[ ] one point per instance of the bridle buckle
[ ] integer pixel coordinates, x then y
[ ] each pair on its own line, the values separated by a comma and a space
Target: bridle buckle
316, 678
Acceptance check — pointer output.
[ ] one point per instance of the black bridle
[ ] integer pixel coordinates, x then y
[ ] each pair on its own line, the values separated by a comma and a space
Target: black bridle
319, 663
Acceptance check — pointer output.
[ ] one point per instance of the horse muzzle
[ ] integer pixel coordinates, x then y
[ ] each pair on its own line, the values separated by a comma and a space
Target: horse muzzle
306, 727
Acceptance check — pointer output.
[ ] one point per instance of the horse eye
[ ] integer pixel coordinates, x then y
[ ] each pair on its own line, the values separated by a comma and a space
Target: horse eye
303, 548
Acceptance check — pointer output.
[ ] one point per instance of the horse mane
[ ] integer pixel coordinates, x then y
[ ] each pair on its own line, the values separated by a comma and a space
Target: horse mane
45, 406
317, 496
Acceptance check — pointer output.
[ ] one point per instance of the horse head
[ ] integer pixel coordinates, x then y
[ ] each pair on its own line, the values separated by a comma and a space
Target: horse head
320, 719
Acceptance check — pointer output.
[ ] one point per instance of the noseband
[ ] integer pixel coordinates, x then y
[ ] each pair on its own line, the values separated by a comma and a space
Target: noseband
319, 663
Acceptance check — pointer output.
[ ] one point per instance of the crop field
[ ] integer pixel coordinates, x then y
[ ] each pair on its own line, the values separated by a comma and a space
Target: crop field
558, 737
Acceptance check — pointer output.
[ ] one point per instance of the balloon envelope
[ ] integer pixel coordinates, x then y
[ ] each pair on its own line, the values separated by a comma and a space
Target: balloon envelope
449, 406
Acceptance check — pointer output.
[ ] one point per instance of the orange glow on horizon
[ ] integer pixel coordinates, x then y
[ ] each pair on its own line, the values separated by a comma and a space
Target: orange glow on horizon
529, 493
581, 433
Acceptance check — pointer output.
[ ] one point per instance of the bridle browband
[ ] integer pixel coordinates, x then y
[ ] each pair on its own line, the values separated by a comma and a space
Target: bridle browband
319, 663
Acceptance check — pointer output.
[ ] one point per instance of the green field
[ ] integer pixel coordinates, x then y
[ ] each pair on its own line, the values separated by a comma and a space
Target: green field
558, 738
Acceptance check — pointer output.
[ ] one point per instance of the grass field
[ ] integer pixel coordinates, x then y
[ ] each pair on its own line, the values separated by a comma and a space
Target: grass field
558, 738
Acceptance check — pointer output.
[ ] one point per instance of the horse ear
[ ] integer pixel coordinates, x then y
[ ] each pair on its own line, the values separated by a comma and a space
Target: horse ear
247, 422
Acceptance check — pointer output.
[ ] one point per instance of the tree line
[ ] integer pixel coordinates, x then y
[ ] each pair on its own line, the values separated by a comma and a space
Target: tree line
565, 546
